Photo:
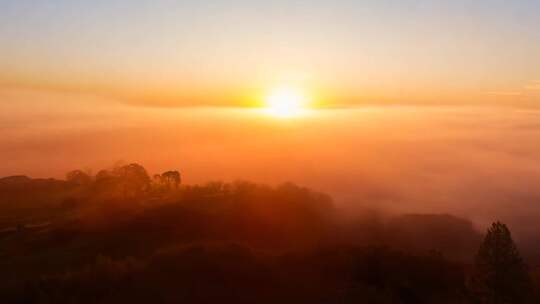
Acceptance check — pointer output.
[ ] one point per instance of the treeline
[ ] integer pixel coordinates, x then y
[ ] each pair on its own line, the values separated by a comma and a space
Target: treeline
122, 236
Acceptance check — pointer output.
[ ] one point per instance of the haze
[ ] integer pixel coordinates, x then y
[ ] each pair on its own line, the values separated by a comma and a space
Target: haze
270, 151
476, 162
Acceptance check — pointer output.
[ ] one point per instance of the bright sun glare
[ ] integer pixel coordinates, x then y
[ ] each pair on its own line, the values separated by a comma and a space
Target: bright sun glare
286, 102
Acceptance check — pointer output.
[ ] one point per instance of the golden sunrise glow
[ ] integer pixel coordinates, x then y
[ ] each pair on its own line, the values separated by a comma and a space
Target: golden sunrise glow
286, 102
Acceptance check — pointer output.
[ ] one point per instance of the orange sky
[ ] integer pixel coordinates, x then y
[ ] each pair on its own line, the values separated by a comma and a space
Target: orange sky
163, 53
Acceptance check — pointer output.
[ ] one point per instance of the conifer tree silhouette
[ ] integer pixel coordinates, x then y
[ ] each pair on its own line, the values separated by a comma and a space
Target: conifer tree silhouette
501, 274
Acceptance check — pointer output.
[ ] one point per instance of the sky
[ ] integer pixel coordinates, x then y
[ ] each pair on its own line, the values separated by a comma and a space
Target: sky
417, 106
230, 53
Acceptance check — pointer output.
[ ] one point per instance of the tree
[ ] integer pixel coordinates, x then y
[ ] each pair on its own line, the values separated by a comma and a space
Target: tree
501, 274
78, 177
103, 175
171, 178
132, 178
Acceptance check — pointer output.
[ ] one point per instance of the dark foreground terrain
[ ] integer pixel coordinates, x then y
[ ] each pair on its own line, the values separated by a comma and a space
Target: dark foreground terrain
121, 236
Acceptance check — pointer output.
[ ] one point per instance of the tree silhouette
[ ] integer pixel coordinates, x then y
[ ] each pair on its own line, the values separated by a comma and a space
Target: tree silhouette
132, 178
501, 274
78, 177
171, 178
103, 175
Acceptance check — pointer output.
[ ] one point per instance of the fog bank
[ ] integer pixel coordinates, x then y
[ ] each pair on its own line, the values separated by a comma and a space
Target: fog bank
479, 163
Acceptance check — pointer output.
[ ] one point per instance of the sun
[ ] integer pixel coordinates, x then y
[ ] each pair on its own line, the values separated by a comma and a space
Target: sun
286, 102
